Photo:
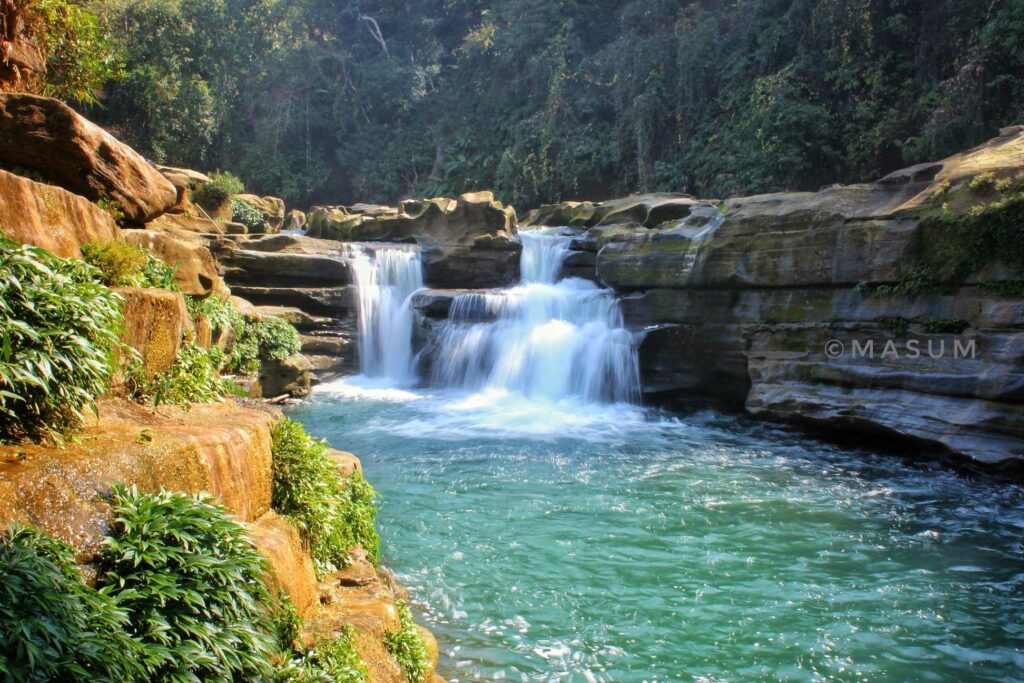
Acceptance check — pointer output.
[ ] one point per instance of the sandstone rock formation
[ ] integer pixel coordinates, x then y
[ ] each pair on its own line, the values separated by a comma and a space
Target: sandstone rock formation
194, 268
184, 181
49, 138
156, 322
51, 217
737, 299
466, 242
272, 209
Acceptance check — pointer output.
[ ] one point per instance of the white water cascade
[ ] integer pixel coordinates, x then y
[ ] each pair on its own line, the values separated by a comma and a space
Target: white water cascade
386, 278
544, 339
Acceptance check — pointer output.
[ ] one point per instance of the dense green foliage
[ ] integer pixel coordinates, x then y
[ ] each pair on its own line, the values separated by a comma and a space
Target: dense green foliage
125, 265
262, 340
221, 314
332, 514
559, 99
78, 51
215, 194
192, 586
248, 215
53, 627
59, 330
193, 378
406, 645
333, 660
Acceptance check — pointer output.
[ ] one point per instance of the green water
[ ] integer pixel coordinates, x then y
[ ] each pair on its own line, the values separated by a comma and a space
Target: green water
565, 543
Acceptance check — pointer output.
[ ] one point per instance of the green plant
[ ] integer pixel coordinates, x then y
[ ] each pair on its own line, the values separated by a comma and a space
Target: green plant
192, 585
407, 646
896, 326
330, 660
222, 315
194, 378
262, 340
248, 215
933, 325
59, 331
125, 265
114, 209
215, 193
983, 181
332, 515
286, 624
53, 627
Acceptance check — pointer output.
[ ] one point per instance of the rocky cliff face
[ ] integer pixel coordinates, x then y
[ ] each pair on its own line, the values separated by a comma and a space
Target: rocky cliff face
891, 308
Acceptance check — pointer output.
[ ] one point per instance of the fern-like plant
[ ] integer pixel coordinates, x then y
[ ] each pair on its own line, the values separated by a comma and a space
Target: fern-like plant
407, 646
59, 332
191, 583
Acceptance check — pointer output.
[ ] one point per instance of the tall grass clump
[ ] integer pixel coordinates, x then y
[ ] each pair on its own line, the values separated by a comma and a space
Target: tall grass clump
53, 627
59, 333
332, 515
126, 265
192, 586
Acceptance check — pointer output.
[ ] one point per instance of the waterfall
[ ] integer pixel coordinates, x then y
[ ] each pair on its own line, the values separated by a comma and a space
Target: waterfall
385, 278
546, 339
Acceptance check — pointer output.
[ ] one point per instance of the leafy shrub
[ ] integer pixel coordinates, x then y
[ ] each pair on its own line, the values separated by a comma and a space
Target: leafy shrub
261, 340
59, 330
333, 660
248, 215
222, 315
215, 193
332, 516
53, 627
114, 209
194, 378
126, 265
407, 646
192, 586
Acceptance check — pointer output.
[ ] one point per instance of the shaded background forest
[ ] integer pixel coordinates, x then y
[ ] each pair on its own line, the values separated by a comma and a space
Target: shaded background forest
543, 100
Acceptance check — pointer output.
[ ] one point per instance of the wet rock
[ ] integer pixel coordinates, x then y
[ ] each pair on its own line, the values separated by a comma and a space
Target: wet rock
50, 217
47, 136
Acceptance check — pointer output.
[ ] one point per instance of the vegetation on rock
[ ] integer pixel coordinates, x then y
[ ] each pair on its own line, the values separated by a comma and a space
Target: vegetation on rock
192, 586
59, 331
125, 265
263, 339
407, 646
333, 515
332, 660
53, 627
215, 193
194, 378
248, 215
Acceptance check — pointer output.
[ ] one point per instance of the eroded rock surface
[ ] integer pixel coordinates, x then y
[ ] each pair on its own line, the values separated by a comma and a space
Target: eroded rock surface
49, 138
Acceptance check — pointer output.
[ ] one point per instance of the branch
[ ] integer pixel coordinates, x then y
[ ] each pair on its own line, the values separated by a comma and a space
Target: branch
374, 28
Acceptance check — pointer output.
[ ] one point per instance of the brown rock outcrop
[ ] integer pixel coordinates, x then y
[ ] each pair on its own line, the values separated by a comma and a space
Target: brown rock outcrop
47, 136
50, 217
221, 448
195, 271
155, 323
291, 568
272, 209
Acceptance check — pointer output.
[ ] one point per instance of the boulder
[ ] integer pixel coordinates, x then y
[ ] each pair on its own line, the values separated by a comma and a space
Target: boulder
200, 226
50, 217
185, 181
155, 323
47, 136
272, 209
285, 259
290, 376
221, 448
291, 568
294, 221
194, 268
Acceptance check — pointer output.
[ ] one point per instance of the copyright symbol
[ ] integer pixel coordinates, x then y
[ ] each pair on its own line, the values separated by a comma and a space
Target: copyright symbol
834, 348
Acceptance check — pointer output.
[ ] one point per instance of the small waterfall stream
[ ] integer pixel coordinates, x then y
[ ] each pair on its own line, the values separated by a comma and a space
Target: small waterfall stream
386, 277
545, 339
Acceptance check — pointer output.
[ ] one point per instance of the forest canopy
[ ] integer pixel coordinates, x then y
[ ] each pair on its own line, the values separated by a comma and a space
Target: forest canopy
543, 100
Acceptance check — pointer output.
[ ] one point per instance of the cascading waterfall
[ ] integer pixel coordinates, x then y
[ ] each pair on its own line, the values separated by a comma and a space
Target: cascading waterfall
386, 277
545, 339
